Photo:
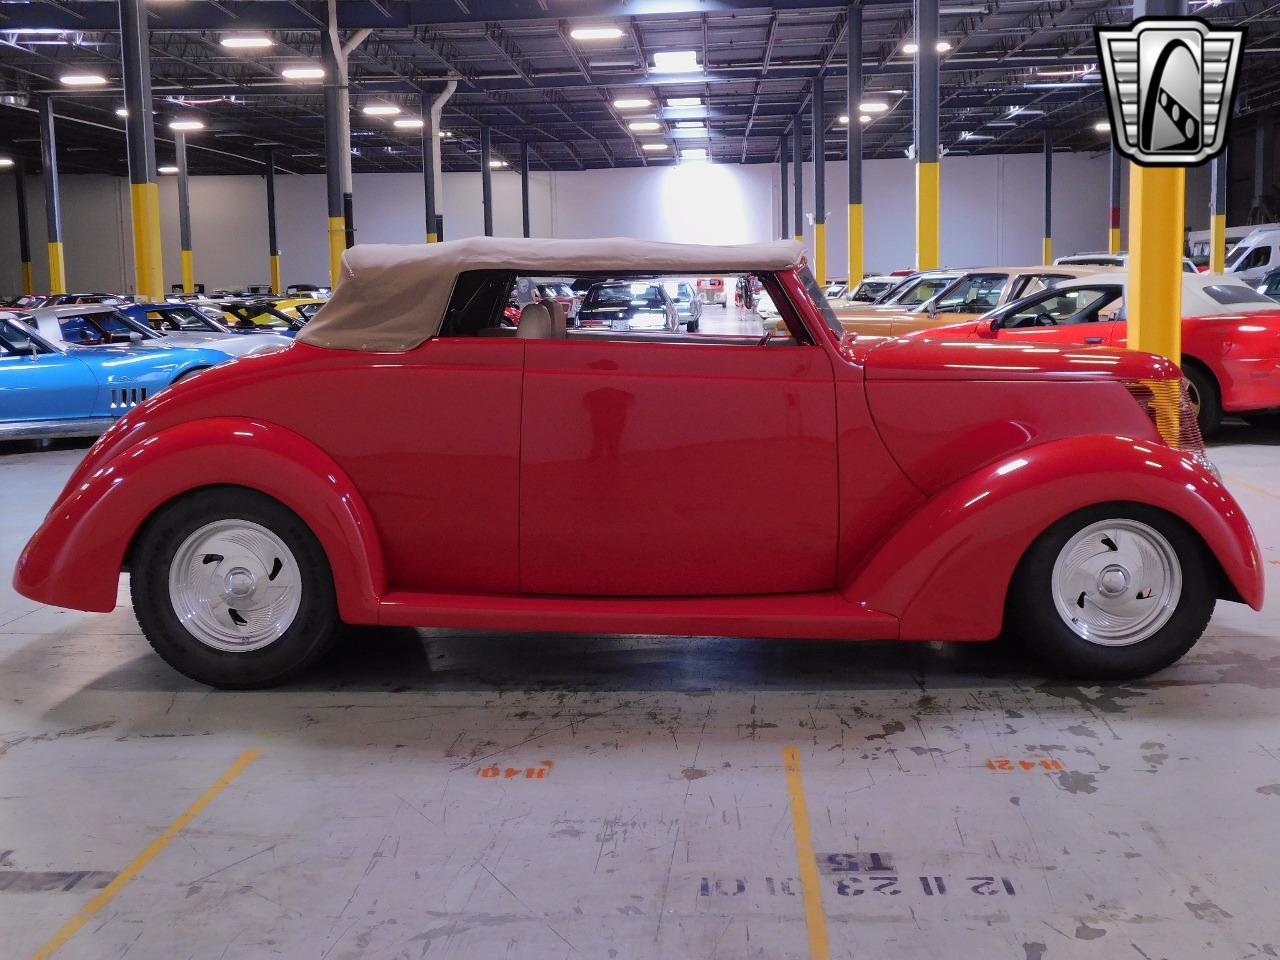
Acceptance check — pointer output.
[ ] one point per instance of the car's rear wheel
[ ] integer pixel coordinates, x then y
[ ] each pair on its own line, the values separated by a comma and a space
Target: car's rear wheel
1112, 592
232, 589
1205, 398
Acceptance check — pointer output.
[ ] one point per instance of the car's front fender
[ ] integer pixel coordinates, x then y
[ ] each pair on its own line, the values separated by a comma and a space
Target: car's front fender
945, 572
75, 557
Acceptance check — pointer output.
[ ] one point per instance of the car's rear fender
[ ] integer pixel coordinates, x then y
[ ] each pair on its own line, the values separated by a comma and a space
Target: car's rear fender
75, 557
945, 573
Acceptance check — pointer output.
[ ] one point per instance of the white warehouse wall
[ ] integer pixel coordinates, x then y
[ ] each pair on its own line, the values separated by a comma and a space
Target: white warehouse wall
991, 214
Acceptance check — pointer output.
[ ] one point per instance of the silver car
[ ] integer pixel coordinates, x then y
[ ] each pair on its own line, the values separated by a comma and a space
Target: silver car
93, 325
688, 302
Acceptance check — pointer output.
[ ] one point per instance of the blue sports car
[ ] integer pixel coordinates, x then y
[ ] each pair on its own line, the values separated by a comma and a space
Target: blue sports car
48, 390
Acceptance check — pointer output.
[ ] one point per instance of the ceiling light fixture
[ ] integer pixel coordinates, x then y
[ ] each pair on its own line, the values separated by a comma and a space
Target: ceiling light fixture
167, 171
186, 124
303, 73
694, 153
82, 79
596, 33
632, 103
640, 126
6, 162
409, 123
381, 109
251, 42
690, 125
653, 146
122, 111
675, 61
942, 46
873, 106
1102, 126
863, 118
843, 118
684, 101
495, 164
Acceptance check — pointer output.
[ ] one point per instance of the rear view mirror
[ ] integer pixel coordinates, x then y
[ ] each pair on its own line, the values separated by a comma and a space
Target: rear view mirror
987, 328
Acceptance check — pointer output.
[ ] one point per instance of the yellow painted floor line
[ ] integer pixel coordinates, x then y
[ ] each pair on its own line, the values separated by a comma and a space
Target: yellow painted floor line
1249, 486
815, 916
59, 939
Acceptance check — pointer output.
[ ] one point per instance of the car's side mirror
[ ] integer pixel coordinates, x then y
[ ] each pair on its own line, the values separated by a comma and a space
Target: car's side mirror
135, 336
987, 328
931, 308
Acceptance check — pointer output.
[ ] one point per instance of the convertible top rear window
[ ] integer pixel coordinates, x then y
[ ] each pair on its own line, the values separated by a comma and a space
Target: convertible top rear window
1227, 293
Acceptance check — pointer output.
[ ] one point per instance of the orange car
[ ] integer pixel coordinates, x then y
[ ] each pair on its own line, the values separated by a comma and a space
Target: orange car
940, 297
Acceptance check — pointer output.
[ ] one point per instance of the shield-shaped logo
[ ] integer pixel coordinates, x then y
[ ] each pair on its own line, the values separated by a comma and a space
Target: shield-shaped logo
1170, 85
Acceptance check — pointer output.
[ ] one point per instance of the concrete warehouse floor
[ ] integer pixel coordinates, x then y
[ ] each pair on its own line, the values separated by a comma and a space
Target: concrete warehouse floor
449, 794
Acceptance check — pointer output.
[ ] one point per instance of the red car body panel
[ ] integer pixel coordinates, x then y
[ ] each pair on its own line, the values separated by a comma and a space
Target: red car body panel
785, 490
1242, 351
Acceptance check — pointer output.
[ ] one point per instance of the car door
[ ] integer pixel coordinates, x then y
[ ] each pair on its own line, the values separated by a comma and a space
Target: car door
1084, 315
44, 386
700, 467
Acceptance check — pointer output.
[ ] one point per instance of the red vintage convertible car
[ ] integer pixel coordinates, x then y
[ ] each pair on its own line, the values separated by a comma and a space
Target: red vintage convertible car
1230, 335
411, 461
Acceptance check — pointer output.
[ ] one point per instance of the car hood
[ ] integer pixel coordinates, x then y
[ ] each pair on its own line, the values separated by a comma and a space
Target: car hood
229, 343
956, 358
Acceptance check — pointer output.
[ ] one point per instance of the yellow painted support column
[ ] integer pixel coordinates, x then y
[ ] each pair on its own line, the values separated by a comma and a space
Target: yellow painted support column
1218, 243
156, 245
276, 288
1048, 250
1113, 239
431, 238
188, 273
820, 253
928, 216
1155, 259
856, 269
799, 238
28, 285
139, 219
57, 269
337, 243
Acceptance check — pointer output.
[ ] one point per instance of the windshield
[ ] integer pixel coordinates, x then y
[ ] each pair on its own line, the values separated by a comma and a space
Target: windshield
186, 319
13, 339
1236, 253
916, 291
820, 302
973, 293
99, 327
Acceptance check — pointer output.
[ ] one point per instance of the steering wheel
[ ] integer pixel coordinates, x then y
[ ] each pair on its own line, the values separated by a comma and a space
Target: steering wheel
1045, 320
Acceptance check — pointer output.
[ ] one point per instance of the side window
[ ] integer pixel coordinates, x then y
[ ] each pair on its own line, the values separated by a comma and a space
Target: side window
975, 293
80, 330
1255, 258
1027, 284
478, 303
1077, 305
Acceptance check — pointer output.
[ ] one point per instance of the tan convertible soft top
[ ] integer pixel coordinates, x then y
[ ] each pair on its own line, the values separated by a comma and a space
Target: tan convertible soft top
392, 297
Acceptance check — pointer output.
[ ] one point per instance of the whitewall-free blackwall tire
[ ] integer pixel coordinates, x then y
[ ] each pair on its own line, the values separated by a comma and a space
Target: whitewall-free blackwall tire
232, 589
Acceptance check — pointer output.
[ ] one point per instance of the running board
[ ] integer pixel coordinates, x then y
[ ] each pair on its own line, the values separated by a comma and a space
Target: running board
54, 429
818, 616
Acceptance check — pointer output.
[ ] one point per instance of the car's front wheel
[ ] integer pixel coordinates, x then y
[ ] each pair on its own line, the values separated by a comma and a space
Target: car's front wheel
232, 589
1112, 592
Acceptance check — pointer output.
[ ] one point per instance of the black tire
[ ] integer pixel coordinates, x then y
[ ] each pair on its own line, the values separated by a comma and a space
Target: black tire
692, 326
308, 635
1205, 394
1032, 616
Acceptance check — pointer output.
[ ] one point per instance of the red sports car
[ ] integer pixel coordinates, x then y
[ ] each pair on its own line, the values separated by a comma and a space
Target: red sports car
1230, 335
409, 460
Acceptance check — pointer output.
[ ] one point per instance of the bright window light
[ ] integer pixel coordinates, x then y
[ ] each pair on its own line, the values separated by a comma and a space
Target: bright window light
596, 33
694, 153
303, 73
381, 109
632, 103
186, 125
252, 42
684, 101
653, 146
497, 164
873, 106
640, 126
82, 79
6, 162
409, 123
167, 171
675, 61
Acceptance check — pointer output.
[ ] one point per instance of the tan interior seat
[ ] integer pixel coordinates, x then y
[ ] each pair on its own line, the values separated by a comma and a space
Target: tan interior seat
559, 319
537, 323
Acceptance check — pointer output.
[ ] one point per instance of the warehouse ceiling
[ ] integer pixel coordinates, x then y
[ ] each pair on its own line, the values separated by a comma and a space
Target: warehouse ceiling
1014, 71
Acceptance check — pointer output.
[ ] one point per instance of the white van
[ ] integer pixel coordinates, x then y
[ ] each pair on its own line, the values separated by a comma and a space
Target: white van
1254, 256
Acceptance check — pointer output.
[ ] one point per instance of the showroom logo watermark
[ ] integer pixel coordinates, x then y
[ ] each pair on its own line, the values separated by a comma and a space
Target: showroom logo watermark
1170, 84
